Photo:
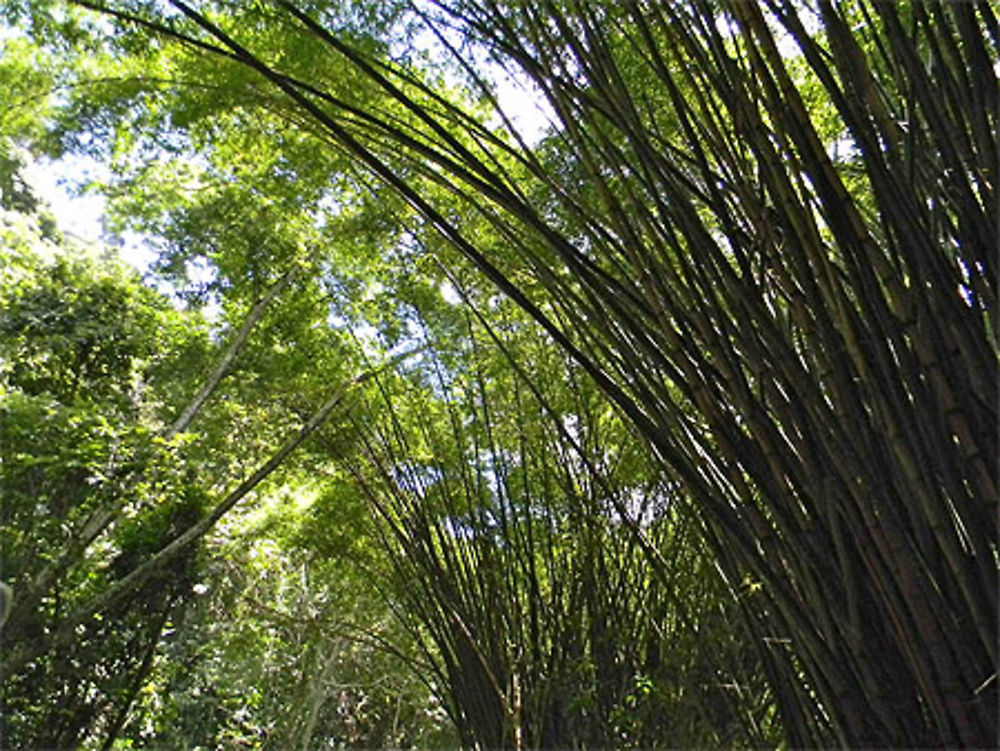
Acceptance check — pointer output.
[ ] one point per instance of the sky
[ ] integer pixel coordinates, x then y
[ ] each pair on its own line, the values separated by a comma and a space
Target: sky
78, 213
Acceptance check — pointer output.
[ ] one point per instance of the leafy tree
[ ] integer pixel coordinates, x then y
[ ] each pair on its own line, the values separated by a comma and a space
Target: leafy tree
106, 496
85, 349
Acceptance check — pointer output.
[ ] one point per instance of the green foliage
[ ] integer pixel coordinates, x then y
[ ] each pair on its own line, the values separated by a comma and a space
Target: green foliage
85, 356
64, 338
286, 645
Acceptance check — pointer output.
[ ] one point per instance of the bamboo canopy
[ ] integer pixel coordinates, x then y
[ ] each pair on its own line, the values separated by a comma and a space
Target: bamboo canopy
782, 270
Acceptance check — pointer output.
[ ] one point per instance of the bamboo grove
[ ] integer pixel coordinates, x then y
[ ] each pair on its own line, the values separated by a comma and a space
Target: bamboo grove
766, 232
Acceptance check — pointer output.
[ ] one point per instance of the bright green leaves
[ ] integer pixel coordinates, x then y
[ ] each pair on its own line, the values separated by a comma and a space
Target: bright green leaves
86, 353
63, 337
54, 457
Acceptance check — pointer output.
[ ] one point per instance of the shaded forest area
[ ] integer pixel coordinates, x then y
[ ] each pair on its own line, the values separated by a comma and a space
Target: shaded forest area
670, 423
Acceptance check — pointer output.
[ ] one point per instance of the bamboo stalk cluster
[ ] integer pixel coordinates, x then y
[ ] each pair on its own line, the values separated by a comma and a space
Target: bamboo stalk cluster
809, 344
562, 599
782, 269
